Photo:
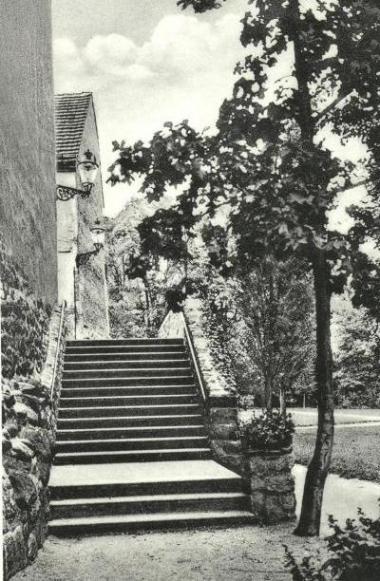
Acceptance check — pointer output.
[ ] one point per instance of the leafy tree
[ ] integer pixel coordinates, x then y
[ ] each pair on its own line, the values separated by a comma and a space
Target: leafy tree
357, 361
268, 165
276, 304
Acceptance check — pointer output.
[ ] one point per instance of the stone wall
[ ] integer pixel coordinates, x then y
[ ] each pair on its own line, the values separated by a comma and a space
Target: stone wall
92, 301
29, 420
27, 147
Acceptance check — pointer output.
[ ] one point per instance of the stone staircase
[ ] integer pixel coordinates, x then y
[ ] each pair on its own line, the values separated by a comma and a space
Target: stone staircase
132, 448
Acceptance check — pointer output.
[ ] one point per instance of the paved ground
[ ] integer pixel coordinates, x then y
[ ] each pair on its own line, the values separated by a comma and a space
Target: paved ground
308, 416
342, 497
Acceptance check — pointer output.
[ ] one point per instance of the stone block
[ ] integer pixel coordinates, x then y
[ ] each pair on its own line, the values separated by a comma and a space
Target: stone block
272, 487
21, 449
264, 463
224, 431
32, 548
223, 415
233, 460
39, 440
276, 482
26, 411
25, 488
14, 551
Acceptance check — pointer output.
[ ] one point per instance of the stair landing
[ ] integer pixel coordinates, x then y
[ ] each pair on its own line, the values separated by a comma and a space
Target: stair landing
132, 472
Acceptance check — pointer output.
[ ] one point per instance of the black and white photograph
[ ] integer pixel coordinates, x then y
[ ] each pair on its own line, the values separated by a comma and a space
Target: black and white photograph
190, 290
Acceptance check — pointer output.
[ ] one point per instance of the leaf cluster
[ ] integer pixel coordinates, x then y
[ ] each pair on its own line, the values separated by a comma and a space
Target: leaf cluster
268, 431
354, 553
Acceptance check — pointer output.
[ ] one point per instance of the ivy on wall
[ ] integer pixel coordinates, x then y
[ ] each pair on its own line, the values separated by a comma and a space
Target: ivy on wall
24, 322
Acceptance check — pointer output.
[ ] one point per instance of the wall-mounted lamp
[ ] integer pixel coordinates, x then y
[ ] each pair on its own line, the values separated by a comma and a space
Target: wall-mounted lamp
98, 234
87, 167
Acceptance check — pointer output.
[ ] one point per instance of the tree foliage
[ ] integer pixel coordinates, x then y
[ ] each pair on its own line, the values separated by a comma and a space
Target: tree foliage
357, 361
269, 169
276, 305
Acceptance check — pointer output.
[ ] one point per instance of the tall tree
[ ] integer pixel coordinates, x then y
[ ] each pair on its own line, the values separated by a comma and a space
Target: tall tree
276, 306
268, 166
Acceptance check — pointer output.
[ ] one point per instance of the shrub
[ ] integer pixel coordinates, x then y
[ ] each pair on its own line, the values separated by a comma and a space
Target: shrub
268, 431
354, 550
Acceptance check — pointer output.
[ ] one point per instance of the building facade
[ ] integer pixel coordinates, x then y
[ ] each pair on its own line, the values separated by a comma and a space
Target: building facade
81, 271
27, 150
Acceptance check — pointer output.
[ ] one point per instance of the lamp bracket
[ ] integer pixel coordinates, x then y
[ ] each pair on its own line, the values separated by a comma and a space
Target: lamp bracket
65, 193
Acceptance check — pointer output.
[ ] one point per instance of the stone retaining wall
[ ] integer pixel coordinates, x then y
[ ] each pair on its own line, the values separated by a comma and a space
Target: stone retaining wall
29, 421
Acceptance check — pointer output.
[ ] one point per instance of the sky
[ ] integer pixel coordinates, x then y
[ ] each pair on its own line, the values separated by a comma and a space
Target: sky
148, 62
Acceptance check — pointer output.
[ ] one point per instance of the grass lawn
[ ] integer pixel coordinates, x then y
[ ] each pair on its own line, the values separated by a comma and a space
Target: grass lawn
356, 452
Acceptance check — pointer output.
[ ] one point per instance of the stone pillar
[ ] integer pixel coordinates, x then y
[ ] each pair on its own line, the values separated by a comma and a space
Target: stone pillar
272, 486
224, 435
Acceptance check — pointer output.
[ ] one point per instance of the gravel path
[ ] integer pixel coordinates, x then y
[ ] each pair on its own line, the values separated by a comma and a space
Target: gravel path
237, 554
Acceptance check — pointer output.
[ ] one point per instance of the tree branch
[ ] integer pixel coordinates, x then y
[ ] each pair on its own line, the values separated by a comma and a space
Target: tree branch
351, 187
319, 117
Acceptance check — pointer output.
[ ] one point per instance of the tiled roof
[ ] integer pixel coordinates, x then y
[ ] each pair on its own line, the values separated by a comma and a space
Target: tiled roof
70, 116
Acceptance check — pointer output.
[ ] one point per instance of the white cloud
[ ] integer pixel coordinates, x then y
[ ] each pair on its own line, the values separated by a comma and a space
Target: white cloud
111, 54
184, 70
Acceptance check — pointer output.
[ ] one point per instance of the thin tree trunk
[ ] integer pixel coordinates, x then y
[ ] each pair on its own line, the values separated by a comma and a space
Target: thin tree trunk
282, 403
268, 393
309, 523
148, 305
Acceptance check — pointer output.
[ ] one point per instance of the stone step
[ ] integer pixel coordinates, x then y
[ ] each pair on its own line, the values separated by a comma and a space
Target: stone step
149, 504
147, 372
186, 379
75, 366
129, 422
129, 341
128, 400
102, 350
75, 491
97, 524
117, 356
105, 457
151, 390
126, 444
136, 432
128, 411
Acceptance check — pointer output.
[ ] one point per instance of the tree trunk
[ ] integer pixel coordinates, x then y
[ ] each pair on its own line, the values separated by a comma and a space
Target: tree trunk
309, 523
268, 393
148, 303
282, 402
